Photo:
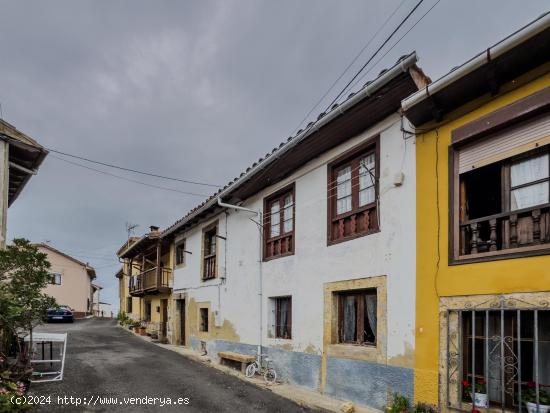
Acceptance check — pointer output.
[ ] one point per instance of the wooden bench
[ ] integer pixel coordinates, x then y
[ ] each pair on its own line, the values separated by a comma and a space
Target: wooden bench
241, 358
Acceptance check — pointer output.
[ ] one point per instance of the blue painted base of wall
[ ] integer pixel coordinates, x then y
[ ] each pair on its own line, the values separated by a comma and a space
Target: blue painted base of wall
367, 383
359, 381
297, 368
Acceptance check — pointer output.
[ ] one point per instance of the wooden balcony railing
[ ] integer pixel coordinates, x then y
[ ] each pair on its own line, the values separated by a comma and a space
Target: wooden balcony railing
209, 269
507, 231
153, 280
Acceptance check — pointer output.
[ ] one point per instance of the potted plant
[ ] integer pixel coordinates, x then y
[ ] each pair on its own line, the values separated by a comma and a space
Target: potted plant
530, 399
478, 393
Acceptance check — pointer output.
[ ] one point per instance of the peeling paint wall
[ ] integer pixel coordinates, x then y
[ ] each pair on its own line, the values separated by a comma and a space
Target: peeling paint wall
233, 299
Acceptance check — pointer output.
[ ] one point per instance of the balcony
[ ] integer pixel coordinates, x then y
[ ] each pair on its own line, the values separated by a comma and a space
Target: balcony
521, 232
152, 281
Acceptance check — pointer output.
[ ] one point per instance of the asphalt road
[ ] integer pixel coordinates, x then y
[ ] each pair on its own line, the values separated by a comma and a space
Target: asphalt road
104, 362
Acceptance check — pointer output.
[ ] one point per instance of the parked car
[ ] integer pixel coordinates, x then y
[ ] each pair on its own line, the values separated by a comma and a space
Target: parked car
62, 313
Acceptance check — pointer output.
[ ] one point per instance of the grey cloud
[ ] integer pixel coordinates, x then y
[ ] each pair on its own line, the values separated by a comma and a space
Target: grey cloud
198, 90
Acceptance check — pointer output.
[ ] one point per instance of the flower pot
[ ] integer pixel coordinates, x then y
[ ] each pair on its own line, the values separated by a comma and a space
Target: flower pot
532, 408
481, 400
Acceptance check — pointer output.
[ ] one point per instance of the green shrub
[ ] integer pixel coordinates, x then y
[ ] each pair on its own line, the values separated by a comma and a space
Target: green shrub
9, 389
123, 318
401, 404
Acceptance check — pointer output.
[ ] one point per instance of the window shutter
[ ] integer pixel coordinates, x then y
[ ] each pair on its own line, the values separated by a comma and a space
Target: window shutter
512, 141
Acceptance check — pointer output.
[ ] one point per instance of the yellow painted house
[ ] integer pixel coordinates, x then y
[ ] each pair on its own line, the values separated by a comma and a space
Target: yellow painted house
129, 305
148, 265
483, 228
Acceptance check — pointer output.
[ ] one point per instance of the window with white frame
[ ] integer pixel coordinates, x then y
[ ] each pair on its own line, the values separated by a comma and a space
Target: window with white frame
55, 278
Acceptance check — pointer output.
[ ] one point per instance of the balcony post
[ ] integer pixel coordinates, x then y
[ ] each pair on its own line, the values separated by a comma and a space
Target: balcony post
493, 236
536, 226
130, 280
473, 241
513, 230
158, 270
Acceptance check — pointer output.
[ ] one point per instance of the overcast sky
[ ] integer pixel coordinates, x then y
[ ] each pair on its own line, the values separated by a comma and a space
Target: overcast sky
191, 89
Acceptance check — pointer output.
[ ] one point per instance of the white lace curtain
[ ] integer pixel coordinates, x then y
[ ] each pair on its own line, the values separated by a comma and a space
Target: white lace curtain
525, 174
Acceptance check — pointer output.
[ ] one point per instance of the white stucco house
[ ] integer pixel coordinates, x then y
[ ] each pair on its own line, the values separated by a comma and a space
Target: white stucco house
309, 255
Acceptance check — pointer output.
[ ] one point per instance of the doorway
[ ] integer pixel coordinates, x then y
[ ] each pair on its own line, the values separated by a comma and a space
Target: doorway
164, 318
181, 304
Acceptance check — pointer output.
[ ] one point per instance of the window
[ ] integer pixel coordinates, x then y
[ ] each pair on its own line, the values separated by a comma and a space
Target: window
505, 205
180, 252
209, 252
529, 182
504, 353
147, 310
352, 193
203, 319
128, 305
279, 223
357, 317
500, 184
283, 317
55, 278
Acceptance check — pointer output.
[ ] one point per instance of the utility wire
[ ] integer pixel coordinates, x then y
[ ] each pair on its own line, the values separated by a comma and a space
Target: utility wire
128, 179
395, 44
132, 170
349, 66
375, 53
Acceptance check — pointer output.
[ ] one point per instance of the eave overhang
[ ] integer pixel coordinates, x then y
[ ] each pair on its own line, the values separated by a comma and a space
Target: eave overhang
521, 52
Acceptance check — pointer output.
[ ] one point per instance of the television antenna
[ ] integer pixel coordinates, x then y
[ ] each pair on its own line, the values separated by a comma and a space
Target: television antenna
130, 229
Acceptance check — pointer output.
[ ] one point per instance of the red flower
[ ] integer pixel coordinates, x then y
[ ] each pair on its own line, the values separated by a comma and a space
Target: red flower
475, 411
481, 381
465, 383
531, 384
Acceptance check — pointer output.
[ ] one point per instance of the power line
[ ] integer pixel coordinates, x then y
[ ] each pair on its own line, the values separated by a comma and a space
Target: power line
375, 53
128, 179
349, 66
132, 170
395, 44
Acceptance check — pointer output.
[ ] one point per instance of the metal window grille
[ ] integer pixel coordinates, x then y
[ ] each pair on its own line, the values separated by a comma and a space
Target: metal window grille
503, 352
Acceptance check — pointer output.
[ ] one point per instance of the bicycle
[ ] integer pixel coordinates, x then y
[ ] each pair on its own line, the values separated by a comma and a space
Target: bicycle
262, 365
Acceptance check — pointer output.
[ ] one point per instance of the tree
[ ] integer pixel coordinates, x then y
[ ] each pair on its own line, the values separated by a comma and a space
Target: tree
24, 272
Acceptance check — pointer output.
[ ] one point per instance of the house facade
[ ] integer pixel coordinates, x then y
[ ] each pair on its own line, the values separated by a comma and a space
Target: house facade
20, 158
483, 227
148, 262
303, 257
128, 304
71, 282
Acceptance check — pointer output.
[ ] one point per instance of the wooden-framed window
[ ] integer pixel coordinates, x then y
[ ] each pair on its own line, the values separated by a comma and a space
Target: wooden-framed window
55, 278
352, 192
128, 305
283, 317
357, 317
505, 205
279, 222
499, 183
180, 252
203, 314
209, 251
